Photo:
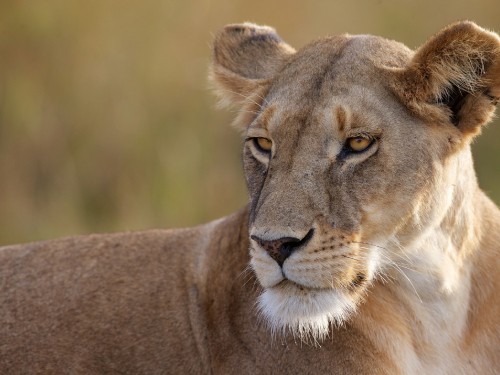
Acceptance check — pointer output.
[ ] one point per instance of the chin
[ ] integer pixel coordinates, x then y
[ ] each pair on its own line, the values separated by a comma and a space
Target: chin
305, 312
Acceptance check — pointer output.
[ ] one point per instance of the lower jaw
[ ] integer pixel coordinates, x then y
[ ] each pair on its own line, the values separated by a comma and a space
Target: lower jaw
305, 312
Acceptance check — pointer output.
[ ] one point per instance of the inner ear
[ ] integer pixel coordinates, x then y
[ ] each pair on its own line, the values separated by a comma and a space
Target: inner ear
454, 99
453, 78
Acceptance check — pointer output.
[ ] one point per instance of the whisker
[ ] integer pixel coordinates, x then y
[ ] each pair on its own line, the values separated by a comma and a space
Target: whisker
245, 272
400, 247
402, 256
396, 266
386, 249
248, 275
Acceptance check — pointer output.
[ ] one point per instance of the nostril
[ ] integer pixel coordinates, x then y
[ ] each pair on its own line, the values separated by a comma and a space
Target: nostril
280, 249
286, 251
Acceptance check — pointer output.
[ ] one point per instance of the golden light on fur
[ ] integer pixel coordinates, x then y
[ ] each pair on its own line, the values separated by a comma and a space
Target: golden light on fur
412, 230
393, 255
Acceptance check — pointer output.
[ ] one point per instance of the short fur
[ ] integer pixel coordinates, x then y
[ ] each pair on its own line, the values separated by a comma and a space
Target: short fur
396, 260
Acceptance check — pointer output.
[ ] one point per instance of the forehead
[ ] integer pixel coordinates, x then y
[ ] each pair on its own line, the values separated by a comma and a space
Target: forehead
335, 79
355, 109
331, 66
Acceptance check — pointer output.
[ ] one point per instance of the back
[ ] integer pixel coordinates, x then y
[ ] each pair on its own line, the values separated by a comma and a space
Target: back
100, 304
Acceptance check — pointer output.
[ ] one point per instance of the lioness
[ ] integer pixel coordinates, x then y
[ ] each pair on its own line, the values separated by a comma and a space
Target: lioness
367, 246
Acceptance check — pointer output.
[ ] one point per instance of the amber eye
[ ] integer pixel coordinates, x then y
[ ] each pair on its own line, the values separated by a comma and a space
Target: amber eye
263, 144
358, 144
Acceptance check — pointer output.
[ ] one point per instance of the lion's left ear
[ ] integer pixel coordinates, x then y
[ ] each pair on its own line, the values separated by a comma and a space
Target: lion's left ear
454, 77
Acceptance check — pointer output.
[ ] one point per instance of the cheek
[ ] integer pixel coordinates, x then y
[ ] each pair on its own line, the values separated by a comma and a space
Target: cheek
391, 196
268, 272
255, 174
353, 189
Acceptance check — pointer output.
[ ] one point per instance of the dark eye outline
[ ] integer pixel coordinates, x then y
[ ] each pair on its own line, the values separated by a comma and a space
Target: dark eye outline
347, 151
255, 141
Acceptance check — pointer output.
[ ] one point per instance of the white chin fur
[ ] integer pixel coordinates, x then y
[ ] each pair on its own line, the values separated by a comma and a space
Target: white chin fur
307, 315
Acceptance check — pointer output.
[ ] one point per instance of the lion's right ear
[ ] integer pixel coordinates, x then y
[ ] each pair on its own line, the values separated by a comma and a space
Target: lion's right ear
244, 57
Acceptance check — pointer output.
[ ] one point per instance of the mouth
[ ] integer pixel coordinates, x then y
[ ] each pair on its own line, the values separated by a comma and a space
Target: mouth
358, 282
307, 301
317, 287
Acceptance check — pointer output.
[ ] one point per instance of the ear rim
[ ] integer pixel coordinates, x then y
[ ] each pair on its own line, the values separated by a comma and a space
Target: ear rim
231, 89
426, 84
230, 83
246, 37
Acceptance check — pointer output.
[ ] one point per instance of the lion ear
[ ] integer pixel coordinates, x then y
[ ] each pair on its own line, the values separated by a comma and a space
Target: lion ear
244, 57
454, 77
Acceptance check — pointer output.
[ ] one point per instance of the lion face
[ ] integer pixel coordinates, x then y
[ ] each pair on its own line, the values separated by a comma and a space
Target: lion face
322, 192
344, 172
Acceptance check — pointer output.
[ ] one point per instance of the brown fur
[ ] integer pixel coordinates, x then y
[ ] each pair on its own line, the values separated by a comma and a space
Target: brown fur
461, 57
396, 258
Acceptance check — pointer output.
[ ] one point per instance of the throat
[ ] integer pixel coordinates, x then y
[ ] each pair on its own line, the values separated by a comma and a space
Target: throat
433, 282
423, 296
432, 278
418, 320
418, 311
436, 244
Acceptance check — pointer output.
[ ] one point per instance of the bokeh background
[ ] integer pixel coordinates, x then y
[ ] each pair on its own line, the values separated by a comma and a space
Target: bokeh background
107, 122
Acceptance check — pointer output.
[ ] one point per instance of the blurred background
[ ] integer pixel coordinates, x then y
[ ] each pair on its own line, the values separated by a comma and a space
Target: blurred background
107, 122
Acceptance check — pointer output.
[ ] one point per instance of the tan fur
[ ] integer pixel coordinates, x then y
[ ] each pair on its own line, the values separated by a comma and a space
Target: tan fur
389, 257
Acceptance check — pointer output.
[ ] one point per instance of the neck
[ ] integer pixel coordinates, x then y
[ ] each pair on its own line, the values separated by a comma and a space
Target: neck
435, 245
430, 273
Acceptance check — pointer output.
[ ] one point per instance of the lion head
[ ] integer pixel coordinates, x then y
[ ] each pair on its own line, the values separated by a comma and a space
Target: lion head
354, 148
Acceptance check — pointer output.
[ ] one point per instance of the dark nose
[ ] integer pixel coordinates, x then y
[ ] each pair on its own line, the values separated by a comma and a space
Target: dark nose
282, 248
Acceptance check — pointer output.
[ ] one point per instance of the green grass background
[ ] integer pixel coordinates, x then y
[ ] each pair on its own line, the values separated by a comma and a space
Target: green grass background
107, 122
